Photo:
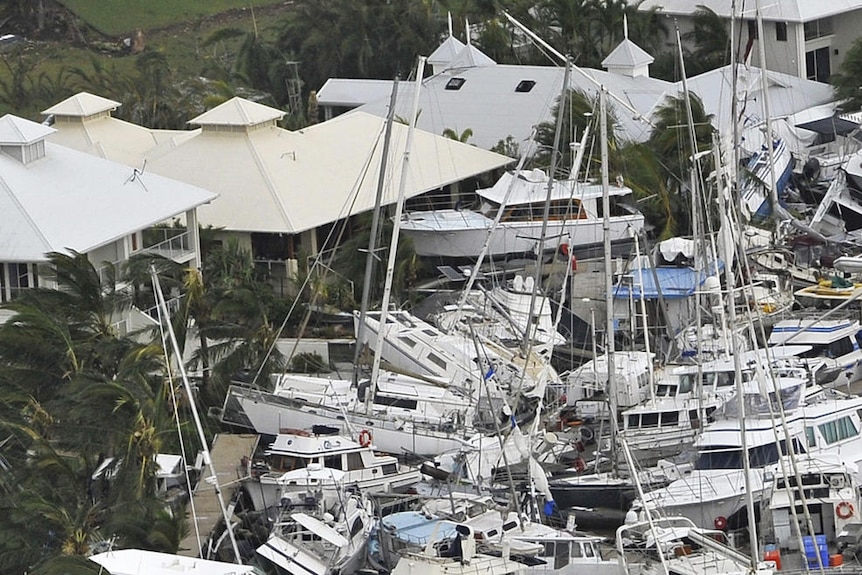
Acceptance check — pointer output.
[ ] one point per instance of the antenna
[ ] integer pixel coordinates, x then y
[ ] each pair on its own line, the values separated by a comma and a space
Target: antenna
136, 175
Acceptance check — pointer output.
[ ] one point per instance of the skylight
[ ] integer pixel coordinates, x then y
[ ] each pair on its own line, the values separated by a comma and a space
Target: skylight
455, 83
525, 86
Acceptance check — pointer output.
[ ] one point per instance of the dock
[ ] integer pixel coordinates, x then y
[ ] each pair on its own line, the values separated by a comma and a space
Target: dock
227, 453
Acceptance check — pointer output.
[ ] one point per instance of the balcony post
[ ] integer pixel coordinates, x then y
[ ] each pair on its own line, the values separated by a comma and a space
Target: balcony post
194, 237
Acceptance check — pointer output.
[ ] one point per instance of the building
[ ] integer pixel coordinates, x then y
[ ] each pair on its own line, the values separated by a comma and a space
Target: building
803, 38
56, 199
279, 191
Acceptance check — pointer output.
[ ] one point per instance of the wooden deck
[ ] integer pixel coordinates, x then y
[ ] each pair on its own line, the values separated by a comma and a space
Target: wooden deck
227, 452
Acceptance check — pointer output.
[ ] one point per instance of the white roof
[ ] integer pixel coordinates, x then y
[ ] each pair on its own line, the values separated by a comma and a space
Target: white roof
139, 562
18, 131
627, 53
487, 104
81, 124
238, 112
783, 10
70, 200
82, 104
353, 93
787, 94
446, 51
266, 175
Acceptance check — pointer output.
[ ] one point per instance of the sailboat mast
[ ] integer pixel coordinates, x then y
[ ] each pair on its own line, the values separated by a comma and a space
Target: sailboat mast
165, 317
764, 86
529, 333
609, 276
396, 229
375, 229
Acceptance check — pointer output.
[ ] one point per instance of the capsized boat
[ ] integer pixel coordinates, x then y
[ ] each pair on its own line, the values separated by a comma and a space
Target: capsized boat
575, 219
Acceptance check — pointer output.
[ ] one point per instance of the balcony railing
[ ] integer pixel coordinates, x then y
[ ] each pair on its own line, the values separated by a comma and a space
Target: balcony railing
174, 246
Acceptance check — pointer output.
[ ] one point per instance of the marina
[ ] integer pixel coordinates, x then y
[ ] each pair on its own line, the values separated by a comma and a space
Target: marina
496, 318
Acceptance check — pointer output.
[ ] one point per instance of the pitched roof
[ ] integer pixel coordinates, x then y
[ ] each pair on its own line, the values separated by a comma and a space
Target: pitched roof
470, 57
266, 177
627, 54
782, 10
353, 93
487, 101
238, 112
446, 51
82, 104
15, 130
73, 200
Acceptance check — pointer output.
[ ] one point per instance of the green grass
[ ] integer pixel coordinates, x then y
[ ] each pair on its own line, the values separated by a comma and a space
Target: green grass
122, 17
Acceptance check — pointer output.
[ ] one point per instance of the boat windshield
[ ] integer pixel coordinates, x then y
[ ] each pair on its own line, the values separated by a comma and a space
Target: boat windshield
758, 403
731, 457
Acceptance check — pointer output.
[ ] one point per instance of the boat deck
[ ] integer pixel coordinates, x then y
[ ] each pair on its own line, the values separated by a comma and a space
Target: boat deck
227, 452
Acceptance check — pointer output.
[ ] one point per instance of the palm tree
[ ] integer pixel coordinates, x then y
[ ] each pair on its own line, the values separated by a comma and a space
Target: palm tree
84, 394
670, 140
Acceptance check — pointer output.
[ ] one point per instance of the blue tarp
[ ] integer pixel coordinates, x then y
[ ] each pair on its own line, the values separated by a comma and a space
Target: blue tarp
676, 282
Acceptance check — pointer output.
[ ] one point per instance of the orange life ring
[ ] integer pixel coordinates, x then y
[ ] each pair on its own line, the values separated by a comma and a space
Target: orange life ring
844, 510
364, 438
720, 523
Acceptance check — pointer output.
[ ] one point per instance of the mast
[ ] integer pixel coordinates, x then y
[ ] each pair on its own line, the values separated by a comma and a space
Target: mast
164, 316
375, 229
396, 229
555, 154
764, 85
609, 278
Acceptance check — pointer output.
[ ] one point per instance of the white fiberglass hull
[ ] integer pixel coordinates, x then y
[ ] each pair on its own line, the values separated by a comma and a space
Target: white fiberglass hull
462, 234
706, 498
268, 414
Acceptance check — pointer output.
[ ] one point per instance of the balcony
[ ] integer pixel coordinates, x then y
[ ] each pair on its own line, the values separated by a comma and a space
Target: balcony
171, 243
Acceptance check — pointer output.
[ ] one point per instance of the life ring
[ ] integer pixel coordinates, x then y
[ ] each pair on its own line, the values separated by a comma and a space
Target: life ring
720, 523
844, 510
364, 438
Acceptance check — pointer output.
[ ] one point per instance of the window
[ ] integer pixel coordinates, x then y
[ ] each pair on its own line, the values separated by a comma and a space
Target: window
354, 461
332, 462
817, 65
781, 31
818, 28
455, 83
835, 431
809, 436
525, 86
670, 418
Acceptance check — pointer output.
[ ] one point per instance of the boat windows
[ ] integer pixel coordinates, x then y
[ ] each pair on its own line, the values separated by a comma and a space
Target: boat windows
285, 463
409, 341
670, 418
395, 402
354, 461
809, 436
525, 86
559, 550
438, 361
333, 462
389, 469
731, 457
839, 430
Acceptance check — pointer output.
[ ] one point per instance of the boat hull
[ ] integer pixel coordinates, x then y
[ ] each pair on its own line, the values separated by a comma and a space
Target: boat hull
461, 234
268, 414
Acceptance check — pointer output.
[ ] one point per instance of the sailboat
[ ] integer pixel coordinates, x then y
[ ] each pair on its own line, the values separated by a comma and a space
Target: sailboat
404, 414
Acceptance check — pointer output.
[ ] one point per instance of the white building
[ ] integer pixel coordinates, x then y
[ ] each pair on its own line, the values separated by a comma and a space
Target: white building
56, 199
804, 38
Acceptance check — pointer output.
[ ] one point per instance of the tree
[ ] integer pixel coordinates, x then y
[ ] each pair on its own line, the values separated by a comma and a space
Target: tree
847, 83
711, 40
85, 393
670, 140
